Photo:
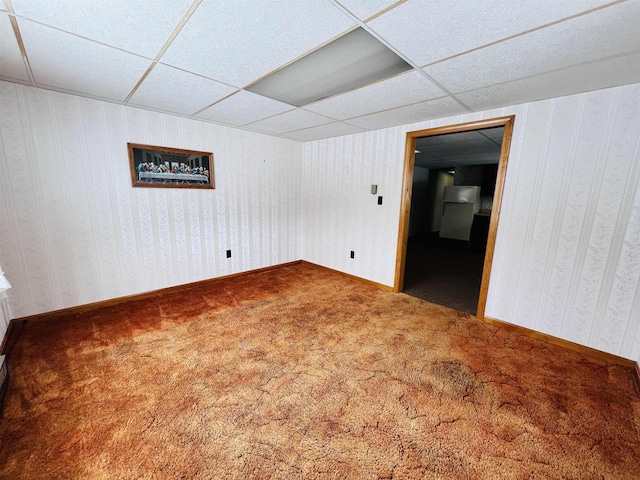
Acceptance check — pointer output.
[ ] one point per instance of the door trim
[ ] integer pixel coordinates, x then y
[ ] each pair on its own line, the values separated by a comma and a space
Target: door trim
407, 185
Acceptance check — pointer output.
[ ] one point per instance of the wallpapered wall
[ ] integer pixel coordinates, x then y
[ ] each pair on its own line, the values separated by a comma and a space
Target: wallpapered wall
74, 231
567, 258
5, 315
341, 214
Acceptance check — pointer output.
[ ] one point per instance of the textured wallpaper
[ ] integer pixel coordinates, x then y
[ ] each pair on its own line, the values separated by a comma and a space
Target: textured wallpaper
567, 258
74, 231
340, 213
5, 316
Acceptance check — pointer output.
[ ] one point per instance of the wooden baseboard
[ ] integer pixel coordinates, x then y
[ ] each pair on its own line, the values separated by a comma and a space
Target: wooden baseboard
11, 335
576, 347
5, 340
14, 325
591, 352
64, 312
371, 283
141, 296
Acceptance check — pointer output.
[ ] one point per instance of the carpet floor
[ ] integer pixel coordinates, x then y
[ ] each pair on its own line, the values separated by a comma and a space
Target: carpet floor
301, 373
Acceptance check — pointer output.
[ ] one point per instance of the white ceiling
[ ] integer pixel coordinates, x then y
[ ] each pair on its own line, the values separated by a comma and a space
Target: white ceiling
476, 147
195, 58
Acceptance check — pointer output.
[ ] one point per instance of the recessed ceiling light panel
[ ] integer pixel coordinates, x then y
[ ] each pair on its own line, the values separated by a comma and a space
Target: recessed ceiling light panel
351, 61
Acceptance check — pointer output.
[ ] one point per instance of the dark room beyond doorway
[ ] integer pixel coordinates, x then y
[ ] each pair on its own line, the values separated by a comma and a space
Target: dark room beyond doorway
452, 198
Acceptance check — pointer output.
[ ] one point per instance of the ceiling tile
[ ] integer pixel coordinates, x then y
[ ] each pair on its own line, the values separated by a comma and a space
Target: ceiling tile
242, 108
468, 160
441, 107
495, 133
228, 44
159, 89
459, 148
480, 159
480, 146
451, 138
289, 121
405, 89
364, 9
607, 32
429, 31
11, 63
140, 27
430, 164
329, 130
72, 63
238, 42
593, 76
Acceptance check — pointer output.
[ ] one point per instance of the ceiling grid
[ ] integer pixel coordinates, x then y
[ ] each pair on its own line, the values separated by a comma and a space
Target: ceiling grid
197, 59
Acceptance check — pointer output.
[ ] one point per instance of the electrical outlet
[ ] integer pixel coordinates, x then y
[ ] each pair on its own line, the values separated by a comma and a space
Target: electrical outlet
353, 254
228, 253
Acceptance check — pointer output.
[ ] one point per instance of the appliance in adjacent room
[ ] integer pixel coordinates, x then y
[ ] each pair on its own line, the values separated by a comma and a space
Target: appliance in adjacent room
460, 204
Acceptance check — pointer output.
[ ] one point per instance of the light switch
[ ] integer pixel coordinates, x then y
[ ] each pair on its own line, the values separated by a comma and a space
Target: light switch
374, 189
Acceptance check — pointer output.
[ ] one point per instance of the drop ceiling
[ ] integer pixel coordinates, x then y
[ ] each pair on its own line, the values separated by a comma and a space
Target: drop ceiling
198, 58
476, 147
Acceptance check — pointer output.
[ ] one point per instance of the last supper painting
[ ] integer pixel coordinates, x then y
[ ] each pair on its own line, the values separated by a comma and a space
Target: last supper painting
164, 167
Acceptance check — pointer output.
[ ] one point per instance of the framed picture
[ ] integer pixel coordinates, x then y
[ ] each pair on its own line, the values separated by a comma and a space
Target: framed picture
166, 167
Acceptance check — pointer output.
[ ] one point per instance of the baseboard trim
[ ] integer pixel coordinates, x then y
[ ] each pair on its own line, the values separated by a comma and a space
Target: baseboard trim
576, 347
371, 283
12, 331
5, 339
13, 327
140, 296
591, 352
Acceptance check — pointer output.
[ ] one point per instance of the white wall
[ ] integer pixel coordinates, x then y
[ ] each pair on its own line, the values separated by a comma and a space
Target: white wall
5, 314
74, 231
567, 258
341, 214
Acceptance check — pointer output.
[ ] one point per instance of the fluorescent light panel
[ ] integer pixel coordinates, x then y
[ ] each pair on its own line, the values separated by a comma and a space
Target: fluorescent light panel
351, 61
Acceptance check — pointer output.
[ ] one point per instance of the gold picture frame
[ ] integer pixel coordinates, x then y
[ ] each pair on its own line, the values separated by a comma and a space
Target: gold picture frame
165, 167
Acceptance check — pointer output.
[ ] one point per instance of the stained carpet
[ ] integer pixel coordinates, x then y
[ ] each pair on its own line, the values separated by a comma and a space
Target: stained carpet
300, 373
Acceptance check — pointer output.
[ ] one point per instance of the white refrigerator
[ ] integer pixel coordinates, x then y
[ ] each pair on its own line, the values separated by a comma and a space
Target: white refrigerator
460, 203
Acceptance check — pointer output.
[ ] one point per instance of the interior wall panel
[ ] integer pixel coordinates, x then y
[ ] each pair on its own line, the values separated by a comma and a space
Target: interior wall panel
341, 212
567, 257
5, 315
74, 231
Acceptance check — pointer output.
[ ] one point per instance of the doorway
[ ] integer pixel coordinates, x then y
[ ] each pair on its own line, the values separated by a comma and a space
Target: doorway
453, 243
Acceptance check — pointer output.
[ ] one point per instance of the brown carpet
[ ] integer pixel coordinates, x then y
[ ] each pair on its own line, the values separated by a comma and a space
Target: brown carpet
301, 373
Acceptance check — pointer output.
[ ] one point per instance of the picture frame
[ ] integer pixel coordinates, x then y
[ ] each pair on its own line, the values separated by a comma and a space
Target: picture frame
165, 167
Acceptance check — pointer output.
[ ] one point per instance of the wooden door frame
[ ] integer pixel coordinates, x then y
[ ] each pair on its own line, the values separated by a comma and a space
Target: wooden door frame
407, 186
